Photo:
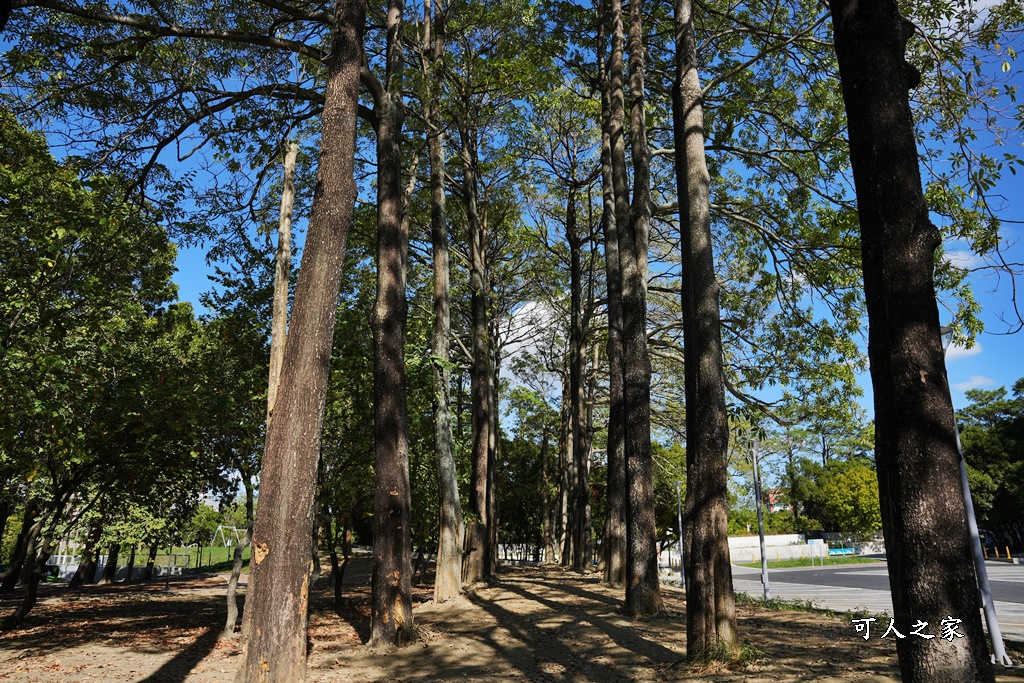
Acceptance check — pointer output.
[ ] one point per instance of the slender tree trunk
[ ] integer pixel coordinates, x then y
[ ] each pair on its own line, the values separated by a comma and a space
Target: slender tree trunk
275, 649
279, 317
35, 561
6, 508
236, 566
13, 572
448, 574
477, 565
88, 558
588, 438
282, 275
643, 595
346, 553
547, 509
923, 512
581, 488
711, 607
150, 562
566, 475
615, 501
493, 446
130, 568
110, 568
332, 534
391, 621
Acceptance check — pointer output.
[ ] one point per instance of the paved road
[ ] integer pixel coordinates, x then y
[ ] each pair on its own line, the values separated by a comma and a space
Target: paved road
866, 586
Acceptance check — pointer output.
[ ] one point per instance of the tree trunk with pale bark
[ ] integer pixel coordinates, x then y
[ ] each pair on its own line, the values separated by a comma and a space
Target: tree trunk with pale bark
918, 464
236, 566
282, 275
448, 573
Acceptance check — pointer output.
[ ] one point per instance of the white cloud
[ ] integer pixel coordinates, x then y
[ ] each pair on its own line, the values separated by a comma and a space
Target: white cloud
975, 382
964, 259
956, 352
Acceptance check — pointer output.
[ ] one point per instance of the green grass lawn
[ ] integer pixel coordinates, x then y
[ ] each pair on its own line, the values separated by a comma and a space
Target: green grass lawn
806, 562
214, 560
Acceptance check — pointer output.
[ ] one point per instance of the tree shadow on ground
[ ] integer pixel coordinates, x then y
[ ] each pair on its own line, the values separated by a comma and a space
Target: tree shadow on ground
126, 617
177, 669
626, 636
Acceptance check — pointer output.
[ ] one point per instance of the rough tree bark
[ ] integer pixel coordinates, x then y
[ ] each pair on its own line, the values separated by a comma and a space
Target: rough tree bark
448, 573
547, 506
477, 565
566, 476
130, 567
391, 619
643, 593
577, 403
615, 501
150, 561
923, 513
38, 553
711, 607
87, 564
276, 646
279, 321
110, 568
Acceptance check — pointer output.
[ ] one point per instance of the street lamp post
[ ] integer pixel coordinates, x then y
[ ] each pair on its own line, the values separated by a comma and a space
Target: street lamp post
998, 651
760, 522
679, 513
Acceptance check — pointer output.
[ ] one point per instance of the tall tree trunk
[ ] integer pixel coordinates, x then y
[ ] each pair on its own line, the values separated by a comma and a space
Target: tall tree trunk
275, 649
37, 553
279, 316
130, 567
547, 508
923, 512
577, 357
332, 535
477, 565
236, 565
615, 500
643, 593
448, 573
391, 621
10, 576
282, 275
566, 475
493, 447
87, 563
147, 575
339, 571
711, 607
110, 568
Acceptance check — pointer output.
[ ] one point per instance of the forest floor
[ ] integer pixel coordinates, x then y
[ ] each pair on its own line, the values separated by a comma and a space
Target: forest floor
532, 624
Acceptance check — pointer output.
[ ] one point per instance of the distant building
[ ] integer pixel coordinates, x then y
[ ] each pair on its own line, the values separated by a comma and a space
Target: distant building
775, 502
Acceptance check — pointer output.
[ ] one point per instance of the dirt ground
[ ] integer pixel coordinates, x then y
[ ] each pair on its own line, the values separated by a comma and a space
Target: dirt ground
533, 624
